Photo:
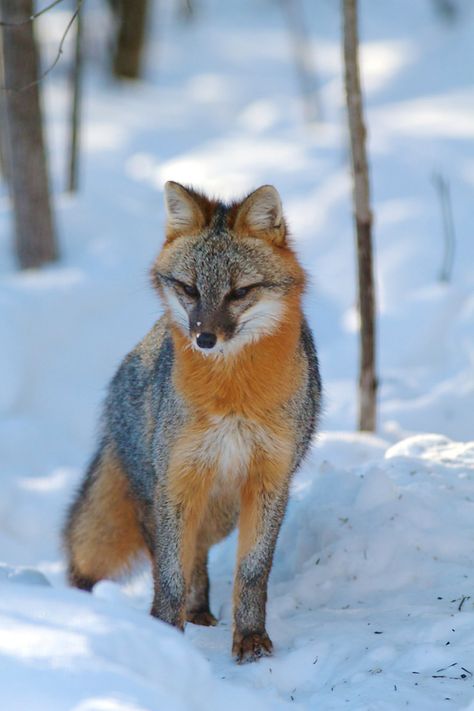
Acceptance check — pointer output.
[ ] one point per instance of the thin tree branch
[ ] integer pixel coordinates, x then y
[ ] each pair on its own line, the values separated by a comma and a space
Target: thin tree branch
441, 185
76, 107
31, 17
304, 59
58, 55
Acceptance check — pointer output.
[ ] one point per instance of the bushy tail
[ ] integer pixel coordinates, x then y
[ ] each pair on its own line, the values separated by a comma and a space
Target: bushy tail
102, 534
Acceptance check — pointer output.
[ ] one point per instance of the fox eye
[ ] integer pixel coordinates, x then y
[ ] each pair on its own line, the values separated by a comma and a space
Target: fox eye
189, 290
239, 293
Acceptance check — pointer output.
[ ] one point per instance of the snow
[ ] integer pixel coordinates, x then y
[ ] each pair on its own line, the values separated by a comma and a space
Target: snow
82, 654
370, 597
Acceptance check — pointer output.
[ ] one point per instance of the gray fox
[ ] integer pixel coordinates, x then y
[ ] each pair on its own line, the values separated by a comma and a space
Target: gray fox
207, 419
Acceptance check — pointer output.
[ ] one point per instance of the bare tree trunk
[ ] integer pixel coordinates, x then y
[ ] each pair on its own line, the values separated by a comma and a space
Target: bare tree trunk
34, 229
76, 82
132, 16
4, 166
363, 219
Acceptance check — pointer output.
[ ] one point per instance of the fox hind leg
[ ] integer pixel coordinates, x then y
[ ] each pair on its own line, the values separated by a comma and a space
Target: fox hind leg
197, 602
219, 520
102, 533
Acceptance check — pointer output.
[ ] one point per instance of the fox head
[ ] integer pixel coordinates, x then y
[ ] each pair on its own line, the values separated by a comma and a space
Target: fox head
226, 274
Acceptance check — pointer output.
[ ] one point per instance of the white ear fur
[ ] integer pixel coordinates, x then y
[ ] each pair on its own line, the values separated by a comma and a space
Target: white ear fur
181, 210
264, 209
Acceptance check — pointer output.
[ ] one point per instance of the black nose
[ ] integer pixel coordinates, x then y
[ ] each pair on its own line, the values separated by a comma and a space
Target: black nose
206, 340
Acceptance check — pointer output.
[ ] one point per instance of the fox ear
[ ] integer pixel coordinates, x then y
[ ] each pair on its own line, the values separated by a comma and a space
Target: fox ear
261, 214
184, 214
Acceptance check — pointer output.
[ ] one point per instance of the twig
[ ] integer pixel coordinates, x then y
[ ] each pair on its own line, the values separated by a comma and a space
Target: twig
304, 59
58, 55
444, 195
454, 664
31, 17
463, 600
187, 10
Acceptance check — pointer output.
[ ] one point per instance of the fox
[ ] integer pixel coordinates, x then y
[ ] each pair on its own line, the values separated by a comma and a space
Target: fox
207, 419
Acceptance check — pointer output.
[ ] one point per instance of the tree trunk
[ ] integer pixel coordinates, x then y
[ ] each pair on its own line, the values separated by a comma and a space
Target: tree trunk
4, 166
76, 86
363, 219
132, 15
34, 229
303, 59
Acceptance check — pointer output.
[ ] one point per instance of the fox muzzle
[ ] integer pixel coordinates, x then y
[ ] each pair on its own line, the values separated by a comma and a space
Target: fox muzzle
206, 340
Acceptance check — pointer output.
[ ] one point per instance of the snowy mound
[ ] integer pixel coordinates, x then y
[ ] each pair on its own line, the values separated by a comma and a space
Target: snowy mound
369, 599
65, 650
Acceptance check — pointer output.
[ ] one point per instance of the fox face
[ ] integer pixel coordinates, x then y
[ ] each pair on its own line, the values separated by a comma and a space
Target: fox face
226, 274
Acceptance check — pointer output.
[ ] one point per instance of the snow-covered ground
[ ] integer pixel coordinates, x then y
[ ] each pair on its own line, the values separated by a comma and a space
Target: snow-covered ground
371, 600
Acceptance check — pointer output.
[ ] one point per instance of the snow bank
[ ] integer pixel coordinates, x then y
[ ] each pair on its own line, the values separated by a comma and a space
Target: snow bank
64, 650
371, 593
370, 601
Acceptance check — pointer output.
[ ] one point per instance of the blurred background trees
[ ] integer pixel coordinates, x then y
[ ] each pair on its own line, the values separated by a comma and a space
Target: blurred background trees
131, 21
121, 46
25, 156
22, 146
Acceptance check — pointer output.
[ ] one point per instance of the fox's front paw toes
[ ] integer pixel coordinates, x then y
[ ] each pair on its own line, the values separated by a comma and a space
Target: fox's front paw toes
250, 647
201, 617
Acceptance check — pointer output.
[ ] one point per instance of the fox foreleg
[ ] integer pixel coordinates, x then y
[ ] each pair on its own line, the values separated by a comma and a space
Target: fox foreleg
261, 515
168, 575
178, 513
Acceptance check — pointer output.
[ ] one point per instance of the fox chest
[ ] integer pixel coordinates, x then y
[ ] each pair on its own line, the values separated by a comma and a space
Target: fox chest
229, 445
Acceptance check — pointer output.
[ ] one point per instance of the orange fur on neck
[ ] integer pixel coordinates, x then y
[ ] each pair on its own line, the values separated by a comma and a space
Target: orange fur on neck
250, 383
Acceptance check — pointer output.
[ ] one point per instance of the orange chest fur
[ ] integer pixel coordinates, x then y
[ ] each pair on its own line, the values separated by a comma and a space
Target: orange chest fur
220, 454
253, 384
237, 427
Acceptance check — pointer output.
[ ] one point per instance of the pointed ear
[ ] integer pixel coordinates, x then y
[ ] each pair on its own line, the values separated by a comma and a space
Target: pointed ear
184, 215
261, 215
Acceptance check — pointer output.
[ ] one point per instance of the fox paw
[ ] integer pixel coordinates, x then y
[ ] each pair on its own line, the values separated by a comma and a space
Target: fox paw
250, 647
201, 617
